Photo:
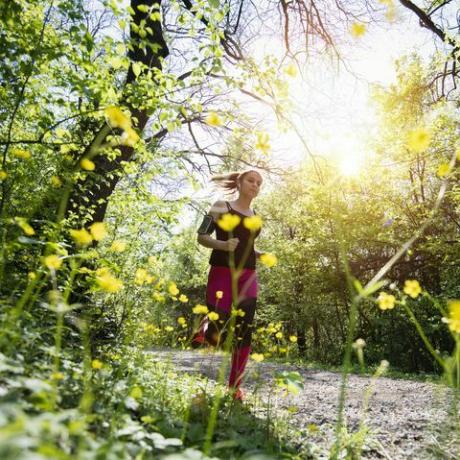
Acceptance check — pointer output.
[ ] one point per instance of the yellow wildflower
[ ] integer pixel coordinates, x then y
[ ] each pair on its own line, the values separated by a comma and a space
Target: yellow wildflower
257, 357
213, 119
81, 237
412, 288
291, 70
25, 226
386, 301
87, 164
98, 231
141, 276
169, 329
31, 276
293, 338
182, 321
279, 335
53, 262
213, 316
172, 288
418, 140
3, 175
106, 281
443, 169
263, 143
117, 119
228, 222
23, 154
96, 364
57, 376
200, 309
118, 246
269, 260
252, 223
358, 29
454, 316
158, 297
183, 298
219, 294
55, 181
129, 138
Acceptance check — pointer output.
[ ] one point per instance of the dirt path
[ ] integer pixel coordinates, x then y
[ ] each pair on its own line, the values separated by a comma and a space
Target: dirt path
407, 419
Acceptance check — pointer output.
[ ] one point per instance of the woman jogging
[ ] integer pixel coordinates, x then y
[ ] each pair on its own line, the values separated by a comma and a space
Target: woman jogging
233, 253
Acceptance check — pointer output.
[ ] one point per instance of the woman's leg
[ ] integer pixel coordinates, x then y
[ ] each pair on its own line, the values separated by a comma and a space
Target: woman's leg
243, 338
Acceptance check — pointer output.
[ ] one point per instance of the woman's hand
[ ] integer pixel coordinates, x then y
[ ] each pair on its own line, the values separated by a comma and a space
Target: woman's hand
231, 244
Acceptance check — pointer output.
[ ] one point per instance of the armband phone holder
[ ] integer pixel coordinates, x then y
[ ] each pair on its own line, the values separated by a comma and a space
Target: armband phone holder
207, 226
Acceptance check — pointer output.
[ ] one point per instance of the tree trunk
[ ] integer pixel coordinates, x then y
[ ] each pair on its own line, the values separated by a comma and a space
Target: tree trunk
95, 189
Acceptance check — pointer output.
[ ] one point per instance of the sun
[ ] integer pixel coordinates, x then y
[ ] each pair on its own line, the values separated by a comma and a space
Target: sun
351, 165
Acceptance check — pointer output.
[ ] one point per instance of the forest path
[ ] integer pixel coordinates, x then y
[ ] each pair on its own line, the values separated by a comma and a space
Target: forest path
407, 419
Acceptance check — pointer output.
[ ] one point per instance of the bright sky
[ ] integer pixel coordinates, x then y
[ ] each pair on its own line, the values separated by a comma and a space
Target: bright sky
333, 109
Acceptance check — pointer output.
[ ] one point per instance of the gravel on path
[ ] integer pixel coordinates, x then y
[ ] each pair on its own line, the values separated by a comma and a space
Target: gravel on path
407, 419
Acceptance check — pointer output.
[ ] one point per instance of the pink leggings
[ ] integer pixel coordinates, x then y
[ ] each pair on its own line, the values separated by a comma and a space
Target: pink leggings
220, 279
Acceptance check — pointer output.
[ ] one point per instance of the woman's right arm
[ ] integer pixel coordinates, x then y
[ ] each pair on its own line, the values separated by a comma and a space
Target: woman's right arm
217, 209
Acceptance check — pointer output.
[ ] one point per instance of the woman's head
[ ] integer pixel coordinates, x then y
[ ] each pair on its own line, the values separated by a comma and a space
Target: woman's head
245, 182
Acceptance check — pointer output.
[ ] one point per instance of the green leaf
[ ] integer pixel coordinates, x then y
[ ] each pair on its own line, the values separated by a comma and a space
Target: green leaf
143, 8
136, 68
214, 3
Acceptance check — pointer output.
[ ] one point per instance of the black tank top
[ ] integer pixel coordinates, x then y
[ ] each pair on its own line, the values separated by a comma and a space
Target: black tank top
222, 258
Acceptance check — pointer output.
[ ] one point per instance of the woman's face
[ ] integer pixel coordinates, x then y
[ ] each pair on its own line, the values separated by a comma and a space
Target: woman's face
250, 184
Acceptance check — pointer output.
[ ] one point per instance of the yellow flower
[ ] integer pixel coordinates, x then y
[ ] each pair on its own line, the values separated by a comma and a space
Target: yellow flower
257, 357
57, 376
263, 143
141, 276
291, 70
158, 297
358, 29
129, 138
183, 298
96, 364
106, 281
269, 260
279, 335
443, 169
219, 294
213, 316
98, 231
31, 275
87, 165
53, 262
213, 119
169, 329
454, 316
238, 312
228, 222
117, 119
81, 237
23, 154
386, 301
3, 175
55, 181
293, 338
200, 309
25, 226
118, 246
418, 140
252, 223
182, 321
172, 289
412, 288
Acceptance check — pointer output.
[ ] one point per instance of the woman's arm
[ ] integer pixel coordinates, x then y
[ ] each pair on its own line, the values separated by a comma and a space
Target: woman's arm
208, 241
